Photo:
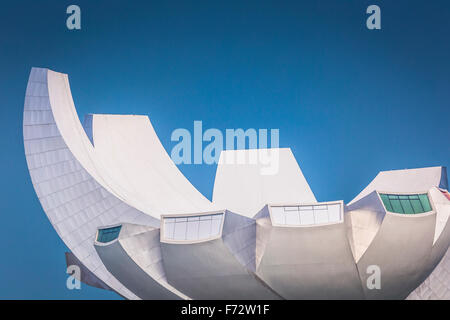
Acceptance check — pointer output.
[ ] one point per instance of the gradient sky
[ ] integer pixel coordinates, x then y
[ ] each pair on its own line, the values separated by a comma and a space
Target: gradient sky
348, 101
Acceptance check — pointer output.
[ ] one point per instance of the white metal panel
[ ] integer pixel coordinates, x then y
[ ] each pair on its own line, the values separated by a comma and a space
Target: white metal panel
245, 187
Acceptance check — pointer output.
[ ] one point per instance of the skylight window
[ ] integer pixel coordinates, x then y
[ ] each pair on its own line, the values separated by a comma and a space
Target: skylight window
305, 215
406, 204
108, 234
192, 228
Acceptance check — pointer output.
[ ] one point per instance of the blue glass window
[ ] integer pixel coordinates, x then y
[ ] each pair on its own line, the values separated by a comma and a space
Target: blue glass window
108, 234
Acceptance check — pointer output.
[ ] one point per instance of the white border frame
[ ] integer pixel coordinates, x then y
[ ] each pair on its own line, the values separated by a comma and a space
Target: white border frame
340, 202
408, 215
97, 243
163, 217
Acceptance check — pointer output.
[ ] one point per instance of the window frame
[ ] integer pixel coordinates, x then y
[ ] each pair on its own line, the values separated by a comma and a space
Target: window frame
100, 229
164, 239
399, 195
309, 204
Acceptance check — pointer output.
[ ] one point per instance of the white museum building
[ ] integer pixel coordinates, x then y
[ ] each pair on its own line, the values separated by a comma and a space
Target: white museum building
135, 225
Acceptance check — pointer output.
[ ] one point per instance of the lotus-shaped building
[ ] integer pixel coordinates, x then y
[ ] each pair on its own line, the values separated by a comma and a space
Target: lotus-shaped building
135, 225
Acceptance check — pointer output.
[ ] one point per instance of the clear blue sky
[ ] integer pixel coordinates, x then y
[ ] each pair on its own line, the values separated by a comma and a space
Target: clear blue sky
349, 102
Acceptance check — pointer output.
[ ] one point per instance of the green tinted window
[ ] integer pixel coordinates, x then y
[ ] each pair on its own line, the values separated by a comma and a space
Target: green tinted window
386, 202
396, 206
408, 204
425, 202
417, 206
108, 234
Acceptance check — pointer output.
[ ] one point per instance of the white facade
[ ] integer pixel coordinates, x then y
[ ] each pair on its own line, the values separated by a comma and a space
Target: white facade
137, 226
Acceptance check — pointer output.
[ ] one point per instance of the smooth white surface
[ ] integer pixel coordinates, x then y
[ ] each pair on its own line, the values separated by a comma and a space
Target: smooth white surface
407, 180
442, 205
135, 259
244, 188
120, 174
74, 201
133, 159
82, 188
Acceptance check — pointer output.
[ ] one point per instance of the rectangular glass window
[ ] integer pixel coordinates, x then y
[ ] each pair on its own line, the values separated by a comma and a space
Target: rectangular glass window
396, 205
417, 206
292, 218
306, 215
108, 234
387, 203
425, 202
407, 204
192, 228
